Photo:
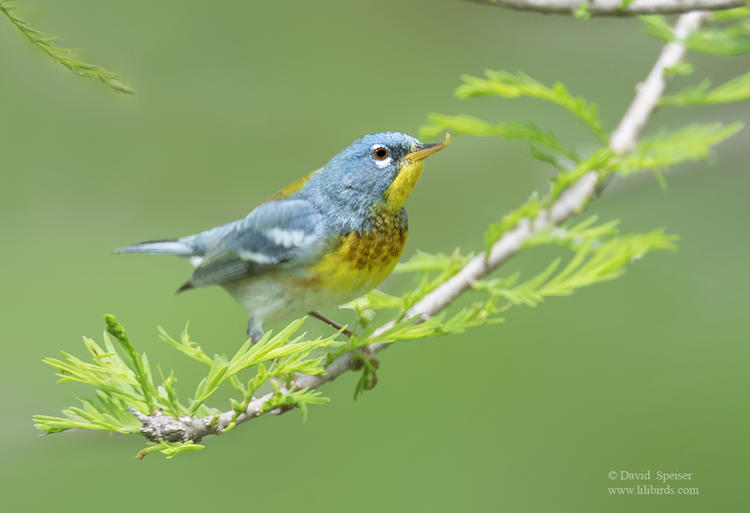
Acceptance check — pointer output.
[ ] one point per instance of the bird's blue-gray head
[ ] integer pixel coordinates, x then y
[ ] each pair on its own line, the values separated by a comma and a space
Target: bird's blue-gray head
377, 170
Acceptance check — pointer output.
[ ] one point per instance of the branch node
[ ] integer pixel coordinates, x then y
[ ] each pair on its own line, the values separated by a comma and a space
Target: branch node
158, 427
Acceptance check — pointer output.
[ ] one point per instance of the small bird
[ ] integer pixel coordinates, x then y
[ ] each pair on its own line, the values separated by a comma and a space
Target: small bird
326, 239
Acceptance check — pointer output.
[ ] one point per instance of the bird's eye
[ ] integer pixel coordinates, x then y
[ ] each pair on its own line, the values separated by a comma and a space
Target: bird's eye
380, 153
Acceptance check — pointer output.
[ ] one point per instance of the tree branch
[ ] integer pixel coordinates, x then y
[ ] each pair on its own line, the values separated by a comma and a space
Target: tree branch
649, 92
614, 7
161, 427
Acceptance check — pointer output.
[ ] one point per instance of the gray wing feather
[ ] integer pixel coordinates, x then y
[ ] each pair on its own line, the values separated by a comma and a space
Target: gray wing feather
202, 242
278, 233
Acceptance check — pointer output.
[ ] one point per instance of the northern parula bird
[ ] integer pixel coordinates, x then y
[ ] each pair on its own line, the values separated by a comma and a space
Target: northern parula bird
324, 240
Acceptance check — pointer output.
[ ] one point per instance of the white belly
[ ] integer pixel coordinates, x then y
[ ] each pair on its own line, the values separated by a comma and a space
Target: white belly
284, 294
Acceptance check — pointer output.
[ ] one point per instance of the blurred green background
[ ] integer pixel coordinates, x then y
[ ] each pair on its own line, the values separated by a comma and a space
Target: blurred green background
235, 100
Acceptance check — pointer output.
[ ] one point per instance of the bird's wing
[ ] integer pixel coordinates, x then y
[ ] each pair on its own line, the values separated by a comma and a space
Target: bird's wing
286, 232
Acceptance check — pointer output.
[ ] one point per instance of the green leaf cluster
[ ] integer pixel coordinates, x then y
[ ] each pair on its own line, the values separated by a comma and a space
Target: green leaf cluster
529, 132
573, 236
689, 143
732, 39
583, 13
656, 26
726, 33
508, 85
169, 449
667, 149
736, 90
127, 381
596, 259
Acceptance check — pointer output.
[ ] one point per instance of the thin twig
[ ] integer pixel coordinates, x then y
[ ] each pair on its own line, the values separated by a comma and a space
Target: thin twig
614, 7
333, 324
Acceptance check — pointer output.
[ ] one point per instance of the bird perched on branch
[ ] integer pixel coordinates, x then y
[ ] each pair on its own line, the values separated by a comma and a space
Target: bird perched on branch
321, 241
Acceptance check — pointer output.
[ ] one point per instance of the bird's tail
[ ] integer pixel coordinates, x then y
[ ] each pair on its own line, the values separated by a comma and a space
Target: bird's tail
159, 247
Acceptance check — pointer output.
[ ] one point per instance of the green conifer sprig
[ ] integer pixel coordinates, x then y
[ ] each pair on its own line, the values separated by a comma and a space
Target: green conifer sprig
64, 56
736, 90
438, 124
508, 85
727, 33
123, 382
668, 149
690, 143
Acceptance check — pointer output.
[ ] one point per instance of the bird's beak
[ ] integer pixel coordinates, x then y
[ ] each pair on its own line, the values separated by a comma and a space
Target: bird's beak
426, 150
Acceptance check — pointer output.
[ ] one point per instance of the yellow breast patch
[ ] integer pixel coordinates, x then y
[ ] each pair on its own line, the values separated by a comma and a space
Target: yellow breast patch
361, 260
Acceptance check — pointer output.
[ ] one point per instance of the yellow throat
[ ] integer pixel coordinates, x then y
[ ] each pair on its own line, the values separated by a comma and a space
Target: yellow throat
398, 191
408, 176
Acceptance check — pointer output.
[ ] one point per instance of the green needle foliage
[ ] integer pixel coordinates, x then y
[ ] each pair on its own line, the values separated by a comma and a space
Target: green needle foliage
736, 90
123, 379
587, 252
681, 68
594, 261
656, 26
64, 56
728, 32
692, 142
544, 144
507, 85
169, 449
668, 149
732, 39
